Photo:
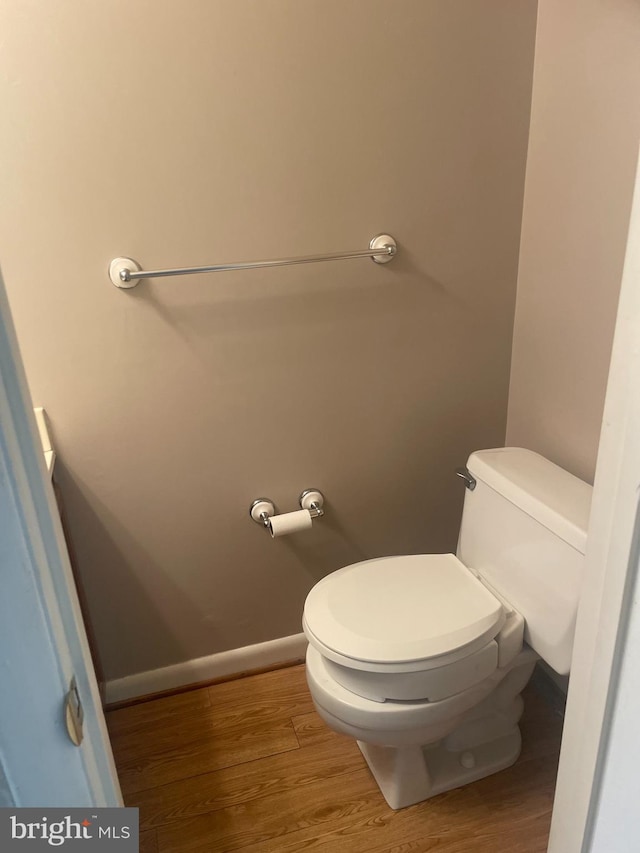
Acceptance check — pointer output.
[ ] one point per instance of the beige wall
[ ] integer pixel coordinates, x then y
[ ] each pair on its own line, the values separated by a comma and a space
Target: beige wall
585, 127
219, 131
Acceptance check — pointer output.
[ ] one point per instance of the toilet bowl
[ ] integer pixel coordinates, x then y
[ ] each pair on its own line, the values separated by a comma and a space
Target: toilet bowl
417, 749
422, 658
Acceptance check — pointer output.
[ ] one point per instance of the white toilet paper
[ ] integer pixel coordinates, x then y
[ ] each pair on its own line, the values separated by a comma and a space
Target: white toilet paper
289, 522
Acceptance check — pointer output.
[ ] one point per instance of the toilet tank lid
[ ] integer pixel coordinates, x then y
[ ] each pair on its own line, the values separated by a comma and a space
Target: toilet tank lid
549, 494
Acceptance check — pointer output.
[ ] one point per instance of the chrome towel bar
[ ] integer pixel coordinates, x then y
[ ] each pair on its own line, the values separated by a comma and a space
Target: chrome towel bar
126, 273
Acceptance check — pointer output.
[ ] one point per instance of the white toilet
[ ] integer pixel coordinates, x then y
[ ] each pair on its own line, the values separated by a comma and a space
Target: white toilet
423, 658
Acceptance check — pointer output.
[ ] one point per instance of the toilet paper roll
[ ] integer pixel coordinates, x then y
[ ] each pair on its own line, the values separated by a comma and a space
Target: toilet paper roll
289, 522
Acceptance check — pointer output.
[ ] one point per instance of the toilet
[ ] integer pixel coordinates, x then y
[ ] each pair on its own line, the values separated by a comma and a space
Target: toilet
423, 658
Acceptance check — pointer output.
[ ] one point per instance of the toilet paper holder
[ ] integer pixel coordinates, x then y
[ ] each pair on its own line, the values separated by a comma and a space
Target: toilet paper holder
262, 509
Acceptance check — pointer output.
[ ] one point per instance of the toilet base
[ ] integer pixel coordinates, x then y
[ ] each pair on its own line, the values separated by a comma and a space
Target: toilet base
418, 750
409, 775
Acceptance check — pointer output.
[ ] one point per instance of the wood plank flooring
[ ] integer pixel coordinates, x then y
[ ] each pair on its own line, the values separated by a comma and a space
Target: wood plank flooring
249, 765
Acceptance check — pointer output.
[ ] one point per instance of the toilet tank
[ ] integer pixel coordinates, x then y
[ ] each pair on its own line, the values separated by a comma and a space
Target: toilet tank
524, 530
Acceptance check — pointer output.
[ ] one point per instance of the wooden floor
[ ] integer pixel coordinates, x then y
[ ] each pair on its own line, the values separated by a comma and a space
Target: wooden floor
248, 765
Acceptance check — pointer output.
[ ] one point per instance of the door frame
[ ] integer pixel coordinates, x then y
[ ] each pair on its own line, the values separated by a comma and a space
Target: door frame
37, 527
598, 677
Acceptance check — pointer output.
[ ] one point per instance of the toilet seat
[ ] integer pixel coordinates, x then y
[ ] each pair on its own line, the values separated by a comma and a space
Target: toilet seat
401, 614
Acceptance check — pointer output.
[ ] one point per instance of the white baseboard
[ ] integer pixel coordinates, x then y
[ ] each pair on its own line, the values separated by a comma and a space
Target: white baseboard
222, 664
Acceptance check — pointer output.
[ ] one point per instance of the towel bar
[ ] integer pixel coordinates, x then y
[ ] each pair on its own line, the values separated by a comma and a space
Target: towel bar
126, 273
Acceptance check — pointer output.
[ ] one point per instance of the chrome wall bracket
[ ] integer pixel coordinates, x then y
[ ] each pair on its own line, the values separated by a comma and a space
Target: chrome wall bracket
261, 511
312, 500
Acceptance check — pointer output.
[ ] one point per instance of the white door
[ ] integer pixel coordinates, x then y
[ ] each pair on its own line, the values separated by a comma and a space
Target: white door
43, 645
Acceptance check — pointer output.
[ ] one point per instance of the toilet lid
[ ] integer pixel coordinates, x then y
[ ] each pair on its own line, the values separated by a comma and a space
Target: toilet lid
401, 609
